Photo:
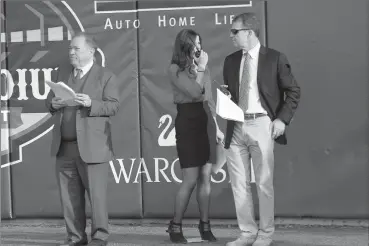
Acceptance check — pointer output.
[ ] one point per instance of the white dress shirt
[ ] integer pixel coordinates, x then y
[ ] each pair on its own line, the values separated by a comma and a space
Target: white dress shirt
84, 69
254, 105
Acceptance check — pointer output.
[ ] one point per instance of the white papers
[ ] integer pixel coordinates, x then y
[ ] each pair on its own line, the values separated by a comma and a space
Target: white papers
227, 109
62, 90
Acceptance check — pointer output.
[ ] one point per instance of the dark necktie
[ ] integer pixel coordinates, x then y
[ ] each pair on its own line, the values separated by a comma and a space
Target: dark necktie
245, 84
79, 73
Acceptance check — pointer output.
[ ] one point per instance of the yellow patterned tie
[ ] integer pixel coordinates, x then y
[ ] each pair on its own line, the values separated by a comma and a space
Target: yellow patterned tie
244, 86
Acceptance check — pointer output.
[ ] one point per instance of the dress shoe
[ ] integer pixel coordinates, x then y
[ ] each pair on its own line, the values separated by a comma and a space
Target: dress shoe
243, 241
97, 242
205, 231
263, 241
176, 233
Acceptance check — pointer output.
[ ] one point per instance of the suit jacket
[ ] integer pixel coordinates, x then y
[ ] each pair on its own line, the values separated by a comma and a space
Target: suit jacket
278, 89
93, 124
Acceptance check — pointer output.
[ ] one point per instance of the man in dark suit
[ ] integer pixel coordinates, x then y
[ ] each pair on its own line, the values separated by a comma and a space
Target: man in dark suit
260, 81
82, 141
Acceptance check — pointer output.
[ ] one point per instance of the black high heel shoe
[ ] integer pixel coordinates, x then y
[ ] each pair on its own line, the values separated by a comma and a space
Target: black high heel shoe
205, 231
175, 232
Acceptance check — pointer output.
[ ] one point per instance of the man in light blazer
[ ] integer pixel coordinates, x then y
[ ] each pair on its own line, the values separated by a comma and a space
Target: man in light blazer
261, 82
82, 141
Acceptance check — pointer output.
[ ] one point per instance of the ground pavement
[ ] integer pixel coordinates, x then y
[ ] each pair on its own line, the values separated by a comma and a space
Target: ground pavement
152, 232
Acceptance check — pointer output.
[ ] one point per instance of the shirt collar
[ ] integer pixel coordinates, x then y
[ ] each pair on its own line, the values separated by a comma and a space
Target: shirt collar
254, 51
85, 68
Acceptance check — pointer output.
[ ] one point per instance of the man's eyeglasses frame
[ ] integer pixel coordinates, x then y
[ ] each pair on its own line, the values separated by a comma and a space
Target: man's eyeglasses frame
235, 31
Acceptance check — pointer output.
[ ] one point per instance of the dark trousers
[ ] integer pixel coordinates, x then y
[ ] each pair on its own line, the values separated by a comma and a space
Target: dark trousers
75, 177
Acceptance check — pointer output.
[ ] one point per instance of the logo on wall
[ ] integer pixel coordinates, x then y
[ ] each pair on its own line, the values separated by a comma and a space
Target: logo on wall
167, 136
33, 46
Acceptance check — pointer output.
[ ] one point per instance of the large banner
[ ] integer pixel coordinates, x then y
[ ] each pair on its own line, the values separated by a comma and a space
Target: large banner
135, 41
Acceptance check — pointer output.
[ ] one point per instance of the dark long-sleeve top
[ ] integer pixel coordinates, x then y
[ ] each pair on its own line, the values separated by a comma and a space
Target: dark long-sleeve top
187, 90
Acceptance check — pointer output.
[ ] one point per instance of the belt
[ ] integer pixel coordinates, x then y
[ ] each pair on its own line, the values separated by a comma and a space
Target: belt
254, 116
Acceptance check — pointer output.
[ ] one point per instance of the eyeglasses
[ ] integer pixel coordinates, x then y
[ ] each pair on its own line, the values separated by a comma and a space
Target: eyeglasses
235, 31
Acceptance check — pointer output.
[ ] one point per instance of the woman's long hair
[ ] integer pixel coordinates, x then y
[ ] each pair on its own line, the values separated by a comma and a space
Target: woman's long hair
183, 46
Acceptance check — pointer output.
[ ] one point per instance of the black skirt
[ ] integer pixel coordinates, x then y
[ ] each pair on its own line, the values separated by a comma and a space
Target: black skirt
191, 135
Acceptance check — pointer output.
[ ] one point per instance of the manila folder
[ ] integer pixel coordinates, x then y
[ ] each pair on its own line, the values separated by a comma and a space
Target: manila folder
227, 109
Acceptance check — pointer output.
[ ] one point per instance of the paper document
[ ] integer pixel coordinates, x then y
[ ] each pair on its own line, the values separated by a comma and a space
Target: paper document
62, 90
227, 109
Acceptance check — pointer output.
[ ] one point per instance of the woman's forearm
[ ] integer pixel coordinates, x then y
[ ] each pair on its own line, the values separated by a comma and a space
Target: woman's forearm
200, 78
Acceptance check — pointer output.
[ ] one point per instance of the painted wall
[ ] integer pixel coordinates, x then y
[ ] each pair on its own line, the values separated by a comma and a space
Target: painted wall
321, 173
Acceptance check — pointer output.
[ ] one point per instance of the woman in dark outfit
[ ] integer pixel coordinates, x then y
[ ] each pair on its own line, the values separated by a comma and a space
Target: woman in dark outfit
196, 130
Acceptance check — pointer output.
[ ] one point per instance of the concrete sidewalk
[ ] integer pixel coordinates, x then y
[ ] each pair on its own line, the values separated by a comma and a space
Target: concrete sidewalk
152, 232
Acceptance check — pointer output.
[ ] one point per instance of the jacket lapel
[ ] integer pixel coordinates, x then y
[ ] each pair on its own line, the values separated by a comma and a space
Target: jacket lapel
261, 65
90, 86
